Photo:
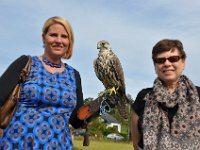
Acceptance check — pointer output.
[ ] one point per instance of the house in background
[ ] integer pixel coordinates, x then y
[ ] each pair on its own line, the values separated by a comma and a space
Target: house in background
111, 121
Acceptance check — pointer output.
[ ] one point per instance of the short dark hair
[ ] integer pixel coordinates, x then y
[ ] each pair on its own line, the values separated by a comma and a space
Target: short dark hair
167, 45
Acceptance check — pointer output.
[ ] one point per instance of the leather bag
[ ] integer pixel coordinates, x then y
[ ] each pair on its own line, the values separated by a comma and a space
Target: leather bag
8, 109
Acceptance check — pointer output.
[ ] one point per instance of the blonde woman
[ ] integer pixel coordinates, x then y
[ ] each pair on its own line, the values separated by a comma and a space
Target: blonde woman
50, 97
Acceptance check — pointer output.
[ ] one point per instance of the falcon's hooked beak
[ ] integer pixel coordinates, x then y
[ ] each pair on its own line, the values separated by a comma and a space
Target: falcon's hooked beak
98, 46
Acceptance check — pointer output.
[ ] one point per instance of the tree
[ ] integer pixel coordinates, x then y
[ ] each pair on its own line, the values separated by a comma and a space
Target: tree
87, 100
97, 127
131, 100
110, 130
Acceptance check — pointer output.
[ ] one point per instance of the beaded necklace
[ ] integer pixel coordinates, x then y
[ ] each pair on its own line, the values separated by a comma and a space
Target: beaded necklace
47, 62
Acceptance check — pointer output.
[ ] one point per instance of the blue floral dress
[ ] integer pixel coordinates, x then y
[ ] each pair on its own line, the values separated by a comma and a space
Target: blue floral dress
42, 117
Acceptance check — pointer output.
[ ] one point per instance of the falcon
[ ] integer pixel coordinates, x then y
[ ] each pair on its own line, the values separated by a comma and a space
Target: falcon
109, 71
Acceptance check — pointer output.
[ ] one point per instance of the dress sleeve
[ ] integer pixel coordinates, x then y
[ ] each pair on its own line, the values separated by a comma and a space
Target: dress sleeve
74, 121
10, 77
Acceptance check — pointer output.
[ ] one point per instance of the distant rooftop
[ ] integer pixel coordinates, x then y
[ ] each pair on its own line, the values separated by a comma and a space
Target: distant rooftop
109, 119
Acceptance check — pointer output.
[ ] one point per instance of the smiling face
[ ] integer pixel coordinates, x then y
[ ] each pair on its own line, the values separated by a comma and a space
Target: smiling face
169, 72
56, 41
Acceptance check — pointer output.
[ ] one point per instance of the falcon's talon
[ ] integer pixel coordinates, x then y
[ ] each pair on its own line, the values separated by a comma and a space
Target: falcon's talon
109, 91
112, 90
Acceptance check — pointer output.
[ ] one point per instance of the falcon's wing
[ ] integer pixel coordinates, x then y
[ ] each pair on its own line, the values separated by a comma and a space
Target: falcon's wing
110, 73
100, 70
117, 70
97, 69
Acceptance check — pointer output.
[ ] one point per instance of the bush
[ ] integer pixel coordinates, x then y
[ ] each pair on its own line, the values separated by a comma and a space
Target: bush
110, 130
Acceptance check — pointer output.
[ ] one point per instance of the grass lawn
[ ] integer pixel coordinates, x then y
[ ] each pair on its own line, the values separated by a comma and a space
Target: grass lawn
102, 145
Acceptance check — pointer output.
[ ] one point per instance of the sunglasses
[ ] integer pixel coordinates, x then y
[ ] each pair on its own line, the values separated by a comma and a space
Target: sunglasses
171, 59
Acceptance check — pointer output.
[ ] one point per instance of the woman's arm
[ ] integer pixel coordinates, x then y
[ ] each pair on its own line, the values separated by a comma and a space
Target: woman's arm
134, 130
74, 120
10, 77
137, 111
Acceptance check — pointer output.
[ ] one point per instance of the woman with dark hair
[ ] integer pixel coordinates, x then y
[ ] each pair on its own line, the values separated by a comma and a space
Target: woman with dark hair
167, 116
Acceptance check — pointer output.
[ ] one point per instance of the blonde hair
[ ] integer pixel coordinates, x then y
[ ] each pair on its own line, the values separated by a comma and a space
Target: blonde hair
68, 28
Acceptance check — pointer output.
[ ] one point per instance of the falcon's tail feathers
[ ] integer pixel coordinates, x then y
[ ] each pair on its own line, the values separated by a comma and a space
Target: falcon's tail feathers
122, 107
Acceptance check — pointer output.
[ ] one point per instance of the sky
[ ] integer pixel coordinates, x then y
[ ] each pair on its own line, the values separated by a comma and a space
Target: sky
132, 27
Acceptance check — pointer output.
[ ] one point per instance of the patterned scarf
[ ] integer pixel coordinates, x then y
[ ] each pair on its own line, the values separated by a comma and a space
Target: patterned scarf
184, 131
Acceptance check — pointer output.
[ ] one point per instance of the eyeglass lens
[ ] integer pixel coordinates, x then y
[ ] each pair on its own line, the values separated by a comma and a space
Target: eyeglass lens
171, 59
